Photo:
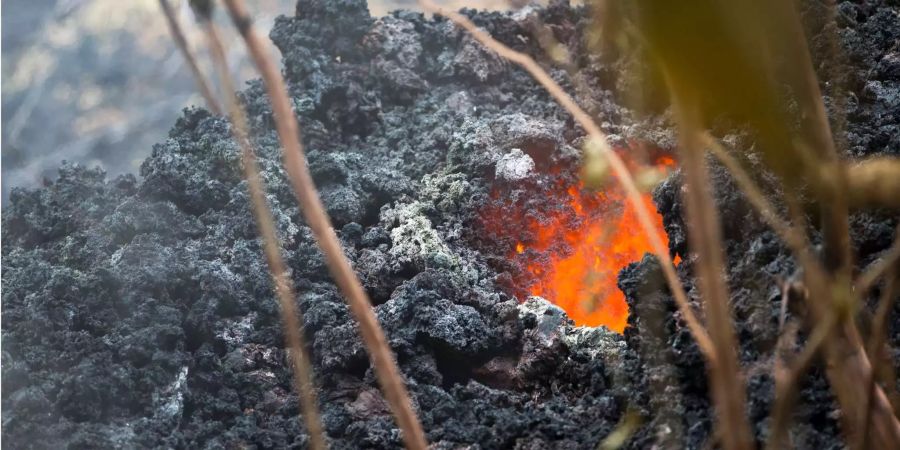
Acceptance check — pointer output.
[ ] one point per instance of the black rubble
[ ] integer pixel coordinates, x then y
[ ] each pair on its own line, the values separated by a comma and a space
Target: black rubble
138, 312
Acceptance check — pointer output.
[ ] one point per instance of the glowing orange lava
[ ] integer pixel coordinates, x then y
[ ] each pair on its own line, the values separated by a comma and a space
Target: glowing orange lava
573, 255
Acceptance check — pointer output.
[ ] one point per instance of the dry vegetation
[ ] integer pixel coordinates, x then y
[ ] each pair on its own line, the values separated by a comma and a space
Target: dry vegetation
734, 76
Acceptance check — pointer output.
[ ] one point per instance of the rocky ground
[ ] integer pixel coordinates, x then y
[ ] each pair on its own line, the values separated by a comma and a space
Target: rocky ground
139, 312
98, 82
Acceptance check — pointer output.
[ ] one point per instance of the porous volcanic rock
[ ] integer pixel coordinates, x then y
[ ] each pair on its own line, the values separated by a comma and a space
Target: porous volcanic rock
138, 312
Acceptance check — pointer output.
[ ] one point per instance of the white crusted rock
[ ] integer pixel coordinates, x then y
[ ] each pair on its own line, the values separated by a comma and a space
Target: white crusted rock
515, 166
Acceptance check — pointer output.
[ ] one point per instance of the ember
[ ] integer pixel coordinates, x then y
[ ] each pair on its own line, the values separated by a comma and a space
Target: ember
572, 253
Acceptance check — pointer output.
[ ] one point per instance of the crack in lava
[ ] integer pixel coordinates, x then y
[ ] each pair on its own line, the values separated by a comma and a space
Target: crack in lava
571, 253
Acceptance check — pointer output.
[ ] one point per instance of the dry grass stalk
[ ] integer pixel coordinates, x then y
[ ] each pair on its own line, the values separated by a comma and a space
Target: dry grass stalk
848, 369
832, 187
292, 318
313, 211
792, 236
786, 382
841, 340
181, 43
880, 321
832, 295
872, 273
618, 166
876, 344
705, 239
874, 183
848, 362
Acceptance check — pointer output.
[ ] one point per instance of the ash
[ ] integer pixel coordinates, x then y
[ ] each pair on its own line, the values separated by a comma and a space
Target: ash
138, 312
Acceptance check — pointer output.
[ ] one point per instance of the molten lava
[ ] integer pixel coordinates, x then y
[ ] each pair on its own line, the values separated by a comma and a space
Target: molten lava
572, 253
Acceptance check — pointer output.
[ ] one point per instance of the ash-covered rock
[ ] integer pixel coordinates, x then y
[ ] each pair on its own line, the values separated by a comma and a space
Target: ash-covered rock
140, 313
514, 166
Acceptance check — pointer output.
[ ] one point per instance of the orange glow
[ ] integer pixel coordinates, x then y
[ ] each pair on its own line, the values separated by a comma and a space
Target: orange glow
666, 162
573, 254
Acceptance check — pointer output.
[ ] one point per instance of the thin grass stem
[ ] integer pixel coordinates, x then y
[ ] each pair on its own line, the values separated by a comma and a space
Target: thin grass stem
292, 318
181, 43
386, 369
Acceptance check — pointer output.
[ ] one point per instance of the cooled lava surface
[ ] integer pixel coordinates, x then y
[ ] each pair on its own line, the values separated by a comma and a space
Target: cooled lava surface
138, 311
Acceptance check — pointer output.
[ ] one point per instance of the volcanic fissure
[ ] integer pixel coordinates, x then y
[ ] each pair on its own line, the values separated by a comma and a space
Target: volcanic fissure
570, 251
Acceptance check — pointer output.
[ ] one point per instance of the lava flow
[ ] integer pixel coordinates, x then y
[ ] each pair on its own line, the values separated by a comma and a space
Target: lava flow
571, 253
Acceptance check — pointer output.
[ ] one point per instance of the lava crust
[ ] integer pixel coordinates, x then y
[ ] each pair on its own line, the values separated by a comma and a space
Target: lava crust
138, 312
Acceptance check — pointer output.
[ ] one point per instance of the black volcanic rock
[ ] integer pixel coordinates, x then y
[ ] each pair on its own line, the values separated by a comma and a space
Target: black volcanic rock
140, 313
